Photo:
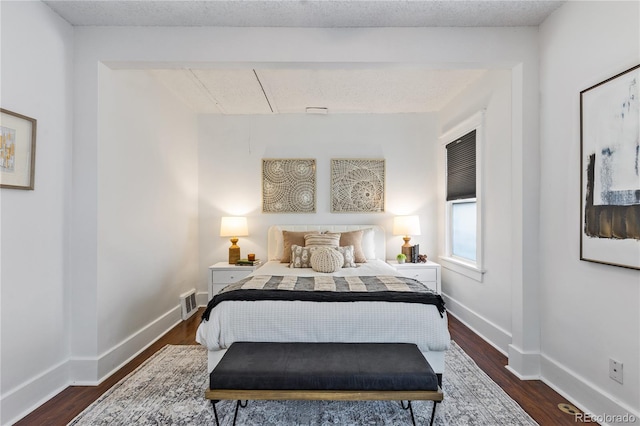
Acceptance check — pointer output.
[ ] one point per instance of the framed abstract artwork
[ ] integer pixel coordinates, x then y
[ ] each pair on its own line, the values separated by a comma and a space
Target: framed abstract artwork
357, 185
610, 171
17, 150
288, 185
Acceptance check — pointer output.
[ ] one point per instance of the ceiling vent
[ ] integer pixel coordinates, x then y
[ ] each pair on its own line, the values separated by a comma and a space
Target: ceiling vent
317, 110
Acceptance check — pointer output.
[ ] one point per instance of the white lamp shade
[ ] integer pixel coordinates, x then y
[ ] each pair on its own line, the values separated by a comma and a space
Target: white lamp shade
234, 227
406, 225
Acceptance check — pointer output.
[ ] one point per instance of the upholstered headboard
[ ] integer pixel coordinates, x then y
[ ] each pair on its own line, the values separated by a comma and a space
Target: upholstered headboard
275, 243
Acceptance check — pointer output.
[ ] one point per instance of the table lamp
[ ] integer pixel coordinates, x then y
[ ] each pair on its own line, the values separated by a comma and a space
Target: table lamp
234, 227
406, 225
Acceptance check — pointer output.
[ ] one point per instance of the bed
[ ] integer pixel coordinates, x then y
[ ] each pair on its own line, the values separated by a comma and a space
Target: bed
362, 321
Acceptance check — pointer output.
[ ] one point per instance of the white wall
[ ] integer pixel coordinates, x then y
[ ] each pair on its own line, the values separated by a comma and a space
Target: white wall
147, 212
36, 76
231, 150
486, 305
581, 44
590, 311
135, 48
74, 285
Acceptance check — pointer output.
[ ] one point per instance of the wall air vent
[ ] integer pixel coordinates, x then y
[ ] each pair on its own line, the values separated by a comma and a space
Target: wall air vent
188, 303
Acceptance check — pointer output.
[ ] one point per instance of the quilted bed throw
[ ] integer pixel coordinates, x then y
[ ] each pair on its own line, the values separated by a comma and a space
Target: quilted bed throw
328, 288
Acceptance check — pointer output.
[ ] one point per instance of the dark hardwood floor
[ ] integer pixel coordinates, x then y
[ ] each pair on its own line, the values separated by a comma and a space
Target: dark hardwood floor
62, 408
540, 401
537, 399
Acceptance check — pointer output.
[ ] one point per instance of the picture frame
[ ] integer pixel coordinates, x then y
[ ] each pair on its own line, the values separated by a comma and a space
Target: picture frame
17, 150
288, 185
609, 171
357, 185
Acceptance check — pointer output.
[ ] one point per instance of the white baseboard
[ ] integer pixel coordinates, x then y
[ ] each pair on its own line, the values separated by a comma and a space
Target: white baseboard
583, 394
83, 371
115, 358
20, 401
91, 371
524, 365
202, 298
533, 365
488, 331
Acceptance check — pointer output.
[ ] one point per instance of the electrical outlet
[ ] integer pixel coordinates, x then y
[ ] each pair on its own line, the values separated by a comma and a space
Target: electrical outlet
615, 370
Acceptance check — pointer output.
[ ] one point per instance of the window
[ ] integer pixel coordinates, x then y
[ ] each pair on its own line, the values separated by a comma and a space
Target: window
463, 229
461, 196
462, 251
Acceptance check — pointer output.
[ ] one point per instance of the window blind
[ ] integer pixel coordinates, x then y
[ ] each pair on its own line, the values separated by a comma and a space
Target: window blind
461, 167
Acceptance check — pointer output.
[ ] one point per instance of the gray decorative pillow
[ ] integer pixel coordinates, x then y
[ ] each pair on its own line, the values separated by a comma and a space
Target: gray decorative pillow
348, 252
301, 256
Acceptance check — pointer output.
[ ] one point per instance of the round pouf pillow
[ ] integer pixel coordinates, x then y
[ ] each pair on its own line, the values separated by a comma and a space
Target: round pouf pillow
326, 259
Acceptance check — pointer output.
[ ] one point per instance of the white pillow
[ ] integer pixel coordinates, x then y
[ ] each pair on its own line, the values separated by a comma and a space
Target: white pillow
368, 243
278, 238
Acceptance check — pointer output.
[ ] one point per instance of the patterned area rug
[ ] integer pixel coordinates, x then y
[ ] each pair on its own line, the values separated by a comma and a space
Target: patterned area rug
168, 389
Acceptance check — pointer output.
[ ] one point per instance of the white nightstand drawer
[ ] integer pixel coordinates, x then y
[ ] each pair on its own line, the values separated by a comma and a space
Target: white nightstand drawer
427, 273
215, 288
222, 274
421, 274
228, 277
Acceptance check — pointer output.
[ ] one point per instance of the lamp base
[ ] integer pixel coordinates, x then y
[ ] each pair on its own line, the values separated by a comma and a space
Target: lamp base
406, 248
234, 252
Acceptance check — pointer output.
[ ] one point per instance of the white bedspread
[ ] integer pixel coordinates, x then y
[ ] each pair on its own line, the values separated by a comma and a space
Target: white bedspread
297, 321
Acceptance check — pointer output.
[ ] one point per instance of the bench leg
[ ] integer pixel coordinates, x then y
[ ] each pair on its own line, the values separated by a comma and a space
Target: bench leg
433, 413
215, 412
238, 405
410, 408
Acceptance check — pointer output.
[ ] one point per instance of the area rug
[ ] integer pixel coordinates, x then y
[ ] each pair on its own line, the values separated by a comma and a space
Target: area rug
168, 389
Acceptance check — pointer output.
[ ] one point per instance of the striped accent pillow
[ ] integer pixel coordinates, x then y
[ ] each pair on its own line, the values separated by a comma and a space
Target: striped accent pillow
330, 240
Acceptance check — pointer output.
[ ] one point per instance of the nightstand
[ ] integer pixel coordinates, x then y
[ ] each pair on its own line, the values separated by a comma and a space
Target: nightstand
222, 274
427, 273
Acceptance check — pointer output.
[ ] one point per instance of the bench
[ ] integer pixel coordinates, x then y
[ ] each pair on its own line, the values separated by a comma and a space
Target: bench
323, 371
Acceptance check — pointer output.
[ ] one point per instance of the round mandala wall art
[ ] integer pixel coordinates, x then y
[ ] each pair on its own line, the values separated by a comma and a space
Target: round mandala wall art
357, 186
288, 185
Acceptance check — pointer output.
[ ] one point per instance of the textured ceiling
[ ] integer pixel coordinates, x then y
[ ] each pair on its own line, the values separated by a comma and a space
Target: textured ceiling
308, 13
266, 91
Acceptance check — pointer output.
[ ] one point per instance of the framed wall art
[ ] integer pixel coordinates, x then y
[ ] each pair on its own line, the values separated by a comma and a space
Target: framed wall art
288, 185
610, 171
17, 150
357, 185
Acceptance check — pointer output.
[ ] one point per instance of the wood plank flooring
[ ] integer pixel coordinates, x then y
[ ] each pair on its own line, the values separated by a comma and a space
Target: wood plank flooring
535, 397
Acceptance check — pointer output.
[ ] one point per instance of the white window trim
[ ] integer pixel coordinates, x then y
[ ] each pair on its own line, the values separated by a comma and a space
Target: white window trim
470, 269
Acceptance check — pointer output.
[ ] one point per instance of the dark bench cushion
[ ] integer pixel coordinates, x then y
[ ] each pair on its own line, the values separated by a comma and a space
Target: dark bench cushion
323, 366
